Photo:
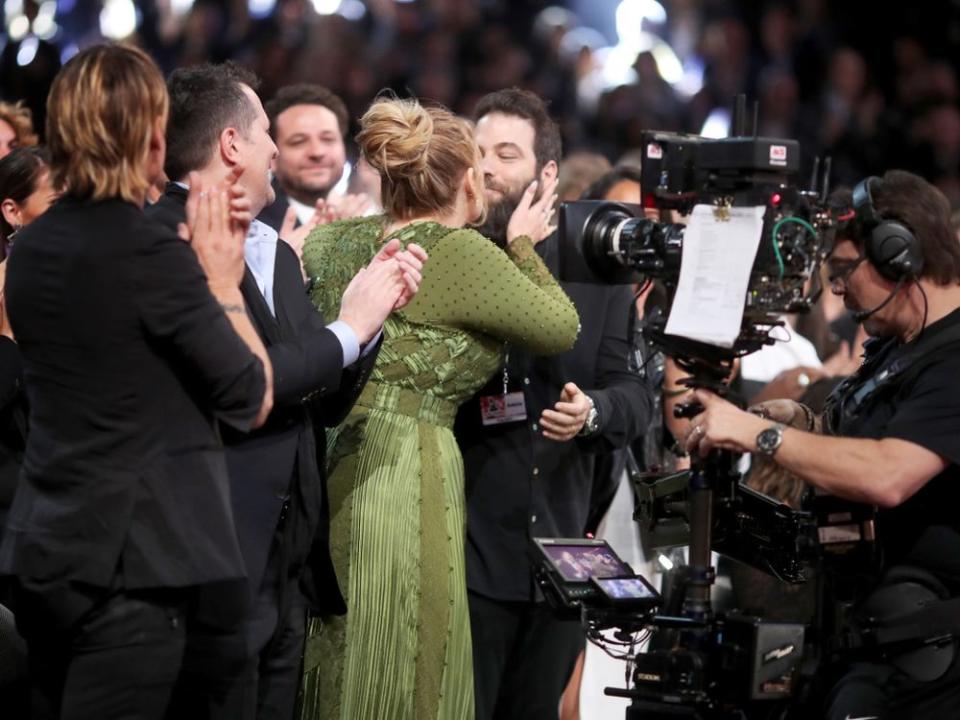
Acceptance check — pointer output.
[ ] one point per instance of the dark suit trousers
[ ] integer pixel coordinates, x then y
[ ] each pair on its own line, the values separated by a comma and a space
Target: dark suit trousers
273, 635
523, 657
267, 689
120, 658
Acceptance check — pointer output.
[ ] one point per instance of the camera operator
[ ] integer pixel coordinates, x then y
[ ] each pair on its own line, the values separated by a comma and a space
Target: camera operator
891, 439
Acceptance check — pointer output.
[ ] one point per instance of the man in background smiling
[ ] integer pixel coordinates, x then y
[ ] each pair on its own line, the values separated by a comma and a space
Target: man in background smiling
309, 124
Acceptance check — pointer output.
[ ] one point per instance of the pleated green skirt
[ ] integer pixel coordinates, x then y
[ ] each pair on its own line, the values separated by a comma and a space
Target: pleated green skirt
397, 532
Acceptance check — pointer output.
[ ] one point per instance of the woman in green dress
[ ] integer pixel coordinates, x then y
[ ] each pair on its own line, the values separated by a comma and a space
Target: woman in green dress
395, 474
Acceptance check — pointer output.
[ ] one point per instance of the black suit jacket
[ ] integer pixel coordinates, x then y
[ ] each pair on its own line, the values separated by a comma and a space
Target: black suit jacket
13, 424
273, 213
521, 485
127, 359
285, 459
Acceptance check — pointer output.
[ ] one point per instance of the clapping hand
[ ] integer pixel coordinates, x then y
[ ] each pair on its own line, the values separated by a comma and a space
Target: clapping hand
386, 284
410, 265
325, 211
217, 222
349, 206
848, 358
295, 236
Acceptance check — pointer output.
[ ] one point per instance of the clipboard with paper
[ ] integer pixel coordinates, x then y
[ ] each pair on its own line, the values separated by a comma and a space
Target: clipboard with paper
718, 254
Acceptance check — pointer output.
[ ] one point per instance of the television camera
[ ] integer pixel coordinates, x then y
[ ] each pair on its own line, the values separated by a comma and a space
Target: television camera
617, 243
715, 665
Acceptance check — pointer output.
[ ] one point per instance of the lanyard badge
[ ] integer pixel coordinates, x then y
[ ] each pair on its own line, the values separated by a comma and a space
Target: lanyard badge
507, 407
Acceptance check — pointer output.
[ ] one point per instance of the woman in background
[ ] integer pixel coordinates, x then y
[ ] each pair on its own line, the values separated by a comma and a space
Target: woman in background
26, 191
395, 471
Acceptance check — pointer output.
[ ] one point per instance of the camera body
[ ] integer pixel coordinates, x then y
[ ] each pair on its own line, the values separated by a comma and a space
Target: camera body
617, 243
681, 170
743, 659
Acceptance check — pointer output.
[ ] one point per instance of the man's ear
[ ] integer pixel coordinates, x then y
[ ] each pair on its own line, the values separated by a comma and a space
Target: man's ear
11, 213
230, 147
158, 136
549, 172
470, 183
157, 149
473, 189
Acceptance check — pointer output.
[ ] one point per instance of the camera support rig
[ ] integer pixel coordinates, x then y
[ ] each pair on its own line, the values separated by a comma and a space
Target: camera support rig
715, 663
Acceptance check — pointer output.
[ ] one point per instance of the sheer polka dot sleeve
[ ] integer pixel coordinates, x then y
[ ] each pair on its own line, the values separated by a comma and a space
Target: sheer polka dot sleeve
472, 283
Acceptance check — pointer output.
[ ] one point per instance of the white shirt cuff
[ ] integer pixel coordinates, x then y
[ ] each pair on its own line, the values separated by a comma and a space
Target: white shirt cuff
348, 341
368, 348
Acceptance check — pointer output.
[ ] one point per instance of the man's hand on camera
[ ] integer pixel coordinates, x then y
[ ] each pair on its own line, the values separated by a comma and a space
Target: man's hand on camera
568, 415
532, 218
721, 425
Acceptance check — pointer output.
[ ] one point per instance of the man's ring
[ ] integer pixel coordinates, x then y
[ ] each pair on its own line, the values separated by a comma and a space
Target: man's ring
803, 380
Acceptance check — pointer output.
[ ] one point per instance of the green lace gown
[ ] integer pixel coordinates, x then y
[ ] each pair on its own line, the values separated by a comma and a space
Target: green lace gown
395, 473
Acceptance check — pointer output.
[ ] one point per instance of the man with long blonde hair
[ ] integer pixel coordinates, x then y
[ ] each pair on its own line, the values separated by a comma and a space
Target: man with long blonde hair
133, 342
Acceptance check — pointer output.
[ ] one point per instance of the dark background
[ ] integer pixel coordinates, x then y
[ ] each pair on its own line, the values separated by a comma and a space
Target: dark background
873, 84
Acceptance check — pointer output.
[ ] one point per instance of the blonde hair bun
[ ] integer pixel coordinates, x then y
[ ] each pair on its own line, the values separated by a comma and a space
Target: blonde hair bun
421, 153
395, 137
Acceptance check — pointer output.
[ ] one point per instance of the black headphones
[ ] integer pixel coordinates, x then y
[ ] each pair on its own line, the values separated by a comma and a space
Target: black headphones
890, 245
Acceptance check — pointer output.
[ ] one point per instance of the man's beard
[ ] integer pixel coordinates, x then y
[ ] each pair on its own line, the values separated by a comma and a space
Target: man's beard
307, 193
499, 213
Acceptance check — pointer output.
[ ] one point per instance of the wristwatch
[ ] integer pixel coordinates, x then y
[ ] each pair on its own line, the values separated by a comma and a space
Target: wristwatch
592, 423
769, 439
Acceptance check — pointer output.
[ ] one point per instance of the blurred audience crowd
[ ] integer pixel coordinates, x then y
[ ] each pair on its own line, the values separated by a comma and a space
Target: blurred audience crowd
870, 99
303, 72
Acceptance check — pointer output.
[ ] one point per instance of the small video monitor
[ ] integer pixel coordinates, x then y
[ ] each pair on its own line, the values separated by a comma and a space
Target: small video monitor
575, 573
580, 560
630, 591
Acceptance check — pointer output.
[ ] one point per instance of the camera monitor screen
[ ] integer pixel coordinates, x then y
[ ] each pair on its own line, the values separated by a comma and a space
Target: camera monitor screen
580, 562
628, 588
